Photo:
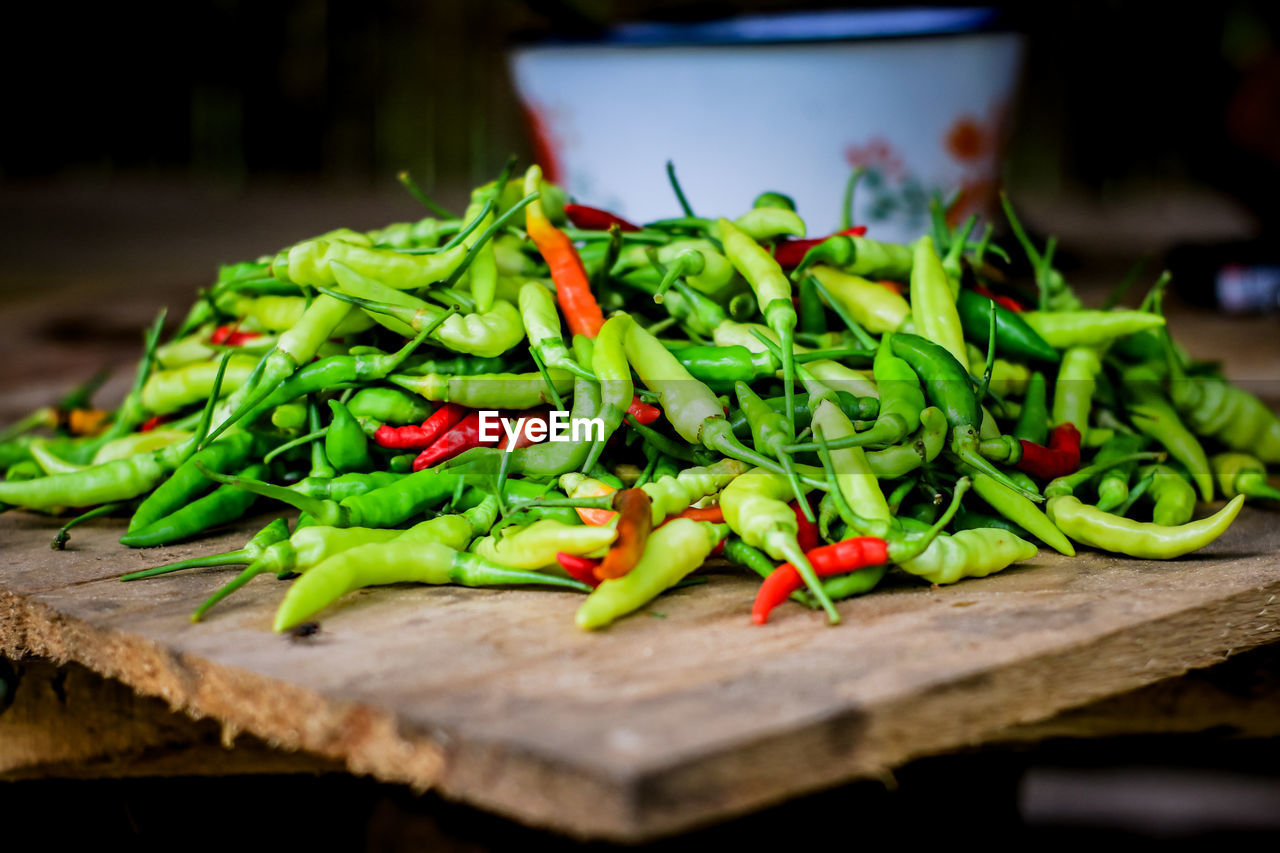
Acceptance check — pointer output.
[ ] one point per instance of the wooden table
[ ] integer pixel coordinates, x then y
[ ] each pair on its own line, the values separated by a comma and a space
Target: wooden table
681, 715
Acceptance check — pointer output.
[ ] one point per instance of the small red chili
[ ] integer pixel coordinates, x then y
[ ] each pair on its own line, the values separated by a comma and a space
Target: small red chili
152, 422
808, 536
1060, 458
789, 253
464, 436
643, 412
579, 568
1005, 301
595, 219
848, 555
229, 335
420, 437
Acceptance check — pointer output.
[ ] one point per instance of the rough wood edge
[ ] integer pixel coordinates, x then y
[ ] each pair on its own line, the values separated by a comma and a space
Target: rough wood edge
859, 743
679, 798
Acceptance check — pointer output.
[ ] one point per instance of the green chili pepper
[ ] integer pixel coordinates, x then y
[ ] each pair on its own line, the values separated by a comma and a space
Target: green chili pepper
932, 306
690, 406
772, 289
855, 408
946, 384
851, 470
872, 306
672, 552
486, 334
1089, 328
968, 519
169, 391
402, 560
382, 507
1074, 390
1091, 526
1033, 420
222, 506
1014, 336
609, 362
973, 553
345, 443
1113, 482
1173, 496
1219, 410
754, 507
1152, 414
388, 405
1242, 474
110, 482
229, 453
487, 391
536, 546
1013, 506
541, 321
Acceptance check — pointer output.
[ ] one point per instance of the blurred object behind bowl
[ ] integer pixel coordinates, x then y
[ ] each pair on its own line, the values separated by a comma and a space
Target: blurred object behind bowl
920, 97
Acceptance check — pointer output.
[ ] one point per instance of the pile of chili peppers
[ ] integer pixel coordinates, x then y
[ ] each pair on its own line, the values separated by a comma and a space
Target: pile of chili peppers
816, 409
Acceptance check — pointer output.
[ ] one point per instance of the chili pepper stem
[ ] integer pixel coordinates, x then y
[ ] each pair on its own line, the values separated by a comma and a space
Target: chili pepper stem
1136, 492
675, 186
846, 208
858, 332
325, 511
230, 558
1068, 484
406, 180
919, 546
789, 469
797, 558
250, 572
61, 538
297, 442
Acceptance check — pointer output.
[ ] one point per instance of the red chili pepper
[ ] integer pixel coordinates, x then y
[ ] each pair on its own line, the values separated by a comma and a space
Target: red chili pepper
837, 559
1060, 458
154, 421
464, 436
895, 286
808, 536
420, 437
635, 521
789, 253
595, 219
1005, 301
643, 412
579, 568
573, 288
229, 335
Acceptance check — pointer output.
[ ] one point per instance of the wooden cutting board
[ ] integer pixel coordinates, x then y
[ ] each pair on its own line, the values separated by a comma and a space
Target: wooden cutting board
678, 716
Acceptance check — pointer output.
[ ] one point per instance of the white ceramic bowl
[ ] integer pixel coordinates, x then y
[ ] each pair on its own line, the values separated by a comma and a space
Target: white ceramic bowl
785, 102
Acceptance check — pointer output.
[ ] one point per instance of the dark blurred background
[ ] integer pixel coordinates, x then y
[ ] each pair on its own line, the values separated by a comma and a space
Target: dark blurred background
146, 143
240, 94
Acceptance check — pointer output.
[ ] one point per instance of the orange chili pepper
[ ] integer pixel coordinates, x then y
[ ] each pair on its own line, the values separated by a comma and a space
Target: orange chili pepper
573, 288
635, 522
596, 517
895, 286
87, 421
713, 514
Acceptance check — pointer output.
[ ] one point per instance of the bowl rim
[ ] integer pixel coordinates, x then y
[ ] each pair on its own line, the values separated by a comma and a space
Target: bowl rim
838, 25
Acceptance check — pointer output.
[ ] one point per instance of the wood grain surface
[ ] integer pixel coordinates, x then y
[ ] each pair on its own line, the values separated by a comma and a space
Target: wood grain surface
680, 715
